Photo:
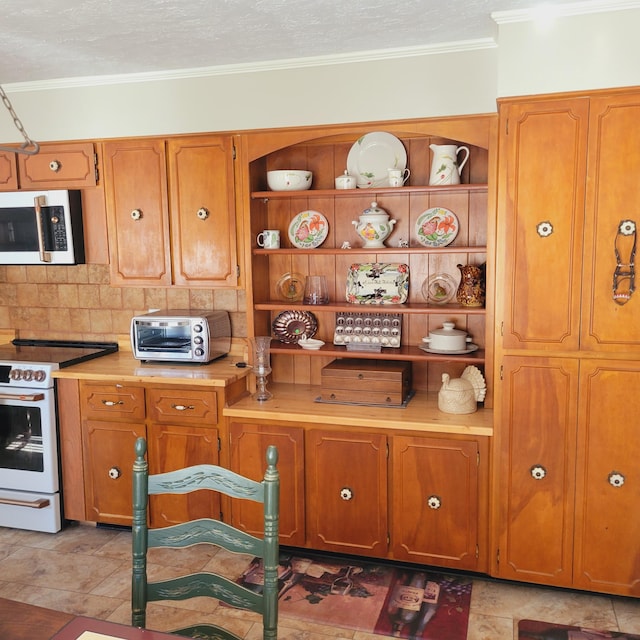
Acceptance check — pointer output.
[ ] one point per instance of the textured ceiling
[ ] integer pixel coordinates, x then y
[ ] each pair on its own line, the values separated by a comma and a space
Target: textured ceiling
45, 40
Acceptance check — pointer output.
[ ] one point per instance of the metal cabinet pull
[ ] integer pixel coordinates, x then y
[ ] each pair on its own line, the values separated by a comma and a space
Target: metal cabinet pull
183, 407
112, 403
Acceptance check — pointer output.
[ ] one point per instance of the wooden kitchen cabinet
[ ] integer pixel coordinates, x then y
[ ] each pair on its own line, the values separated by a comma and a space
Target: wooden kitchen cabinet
108, 462
437, 501
175, 447
562, 519
346, 496
8, 171
72, 165
537, 469
607, 554
248, 444
171, 212
181, 424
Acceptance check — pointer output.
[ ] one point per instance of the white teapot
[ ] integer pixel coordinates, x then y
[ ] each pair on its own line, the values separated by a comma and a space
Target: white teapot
374, 226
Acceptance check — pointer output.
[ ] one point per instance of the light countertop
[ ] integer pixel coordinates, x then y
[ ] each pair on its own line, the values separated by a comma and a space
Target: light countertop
296, 403
123, 367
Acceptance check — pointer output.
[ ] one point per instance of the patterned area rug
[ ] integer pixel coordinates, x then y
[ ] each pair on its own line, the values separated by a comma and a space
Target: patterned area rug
371, 597
535, 630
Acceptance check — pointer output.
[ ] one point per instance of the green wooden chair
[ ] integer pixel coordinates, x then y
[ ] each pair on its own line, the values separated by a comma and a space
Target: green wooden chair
209, 531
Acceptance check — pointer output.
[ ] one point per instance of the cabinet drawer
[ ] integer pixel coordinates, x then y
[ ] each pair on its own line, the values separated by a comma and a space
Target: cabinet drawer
112, 401
182, 406
60, 166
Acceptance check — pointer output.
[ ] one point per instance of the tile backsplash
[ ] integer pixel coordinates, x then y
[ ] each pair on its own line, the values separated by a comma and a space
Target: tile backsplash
77, 303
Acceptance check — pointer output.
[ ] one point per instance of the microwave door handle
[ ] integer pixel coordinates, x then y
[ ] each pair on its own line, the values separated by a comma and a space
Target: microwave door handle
39, 202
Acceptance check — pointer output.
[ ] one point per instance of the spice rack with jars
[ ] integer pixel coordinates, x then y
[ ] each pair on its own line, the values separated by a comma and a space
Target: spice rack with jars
323, 151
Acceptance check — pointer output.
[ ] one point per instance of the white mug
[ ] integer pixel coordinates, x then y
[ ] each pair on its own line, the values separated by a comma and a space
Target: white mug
397, 177
269, 239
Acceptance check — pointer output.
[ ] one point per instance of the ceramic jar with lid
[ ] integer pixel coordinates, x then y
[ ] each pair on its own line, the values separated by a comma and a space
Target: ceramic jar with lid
448, 338
374, 226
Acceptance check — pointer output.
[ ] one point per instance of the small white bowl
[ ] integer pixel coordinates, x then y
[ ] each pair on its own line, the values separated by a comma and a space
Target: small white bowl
289, 180
310, 343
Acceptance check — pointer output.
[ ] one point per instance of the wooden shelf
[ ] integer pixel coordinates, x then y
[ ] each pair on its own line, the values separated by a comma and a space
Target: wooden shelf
402, 353
410, 307
369, 251
319, 193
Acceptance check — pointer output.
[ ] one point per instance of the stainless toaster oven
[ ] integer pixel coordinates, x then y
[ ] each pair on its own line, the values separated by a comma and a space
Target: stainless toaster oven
181, 336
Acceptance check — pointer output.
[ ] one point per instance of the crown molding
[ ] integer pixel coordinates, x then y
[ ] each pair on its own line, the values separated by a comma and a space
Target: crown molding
563, 10
255, 67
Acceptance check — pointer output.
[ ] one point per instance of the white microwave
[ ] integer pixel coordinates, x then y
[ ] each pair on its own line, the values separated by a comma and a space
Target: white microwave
41, 227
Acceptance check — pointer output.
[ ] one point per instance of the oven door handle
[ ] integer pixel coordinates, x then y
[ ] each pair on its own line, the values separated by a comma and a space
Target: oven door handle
39, 503
32, 397
39, 202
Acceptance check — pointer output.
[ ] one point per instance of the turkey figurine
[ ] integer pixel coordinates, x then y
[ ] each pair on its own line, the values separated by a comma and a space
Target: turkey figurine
461, 395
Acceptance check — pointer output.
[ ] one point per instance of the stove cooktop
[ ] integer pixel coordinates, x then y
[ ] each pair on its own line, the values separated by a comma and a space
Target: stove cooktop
29, 363
62, 353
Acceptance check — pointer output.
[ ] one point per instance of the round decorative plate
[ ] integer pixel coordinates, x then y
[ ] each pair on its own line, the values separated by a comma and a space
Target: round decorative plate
437, 227
308, 230
439, 288
371, 157
291, 287
470, 349
290, 326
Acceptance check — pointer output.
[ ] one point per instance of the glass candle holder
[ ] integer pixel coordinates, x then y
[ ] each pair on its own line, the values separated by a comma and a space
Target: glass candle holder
261, 364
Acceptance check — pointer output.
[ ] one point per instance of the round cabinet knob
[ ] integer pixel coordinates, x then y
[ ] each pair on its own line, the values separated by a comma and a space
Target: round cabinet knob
202, 213
434, 502
538, 472
114, 473
346, 493
136, 214
55, 166
616, 479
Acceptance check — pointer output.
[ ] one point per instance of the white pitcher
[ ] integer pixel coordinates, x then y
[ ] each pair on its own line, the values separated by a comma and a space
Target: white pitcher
445, 168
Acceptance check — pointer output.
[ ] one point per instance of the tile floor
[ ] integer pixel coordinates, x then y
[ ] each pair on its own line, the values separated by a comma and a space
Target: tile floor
86, 570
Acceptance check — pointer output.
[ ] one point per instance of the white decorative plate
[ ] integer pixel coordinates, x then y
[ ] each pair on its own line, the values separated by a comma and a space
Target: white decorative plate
371, 157
437, 227
308, 230
470, 349
378, 283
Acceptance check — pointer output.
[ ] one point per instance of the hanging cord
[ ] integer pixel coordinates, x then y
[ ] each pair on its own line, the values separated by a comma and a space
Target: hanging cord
29, 147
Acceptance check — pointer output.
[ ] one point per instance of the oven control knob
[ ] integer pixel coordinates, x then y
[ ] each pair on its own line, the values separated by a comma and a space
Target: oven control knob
198, 340
199, 351
39, 375
15, 374
27, 375
197, 328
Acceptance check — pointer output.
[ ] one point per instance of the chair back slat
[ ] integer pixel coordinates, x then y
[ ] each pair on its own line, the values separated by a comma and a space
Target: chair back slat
206, 476
206, 530
208, 585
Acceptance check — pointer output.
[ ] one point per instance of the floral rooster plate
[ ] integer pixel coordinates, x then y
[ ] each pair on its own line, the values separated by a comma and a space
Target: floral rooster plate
437, 227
